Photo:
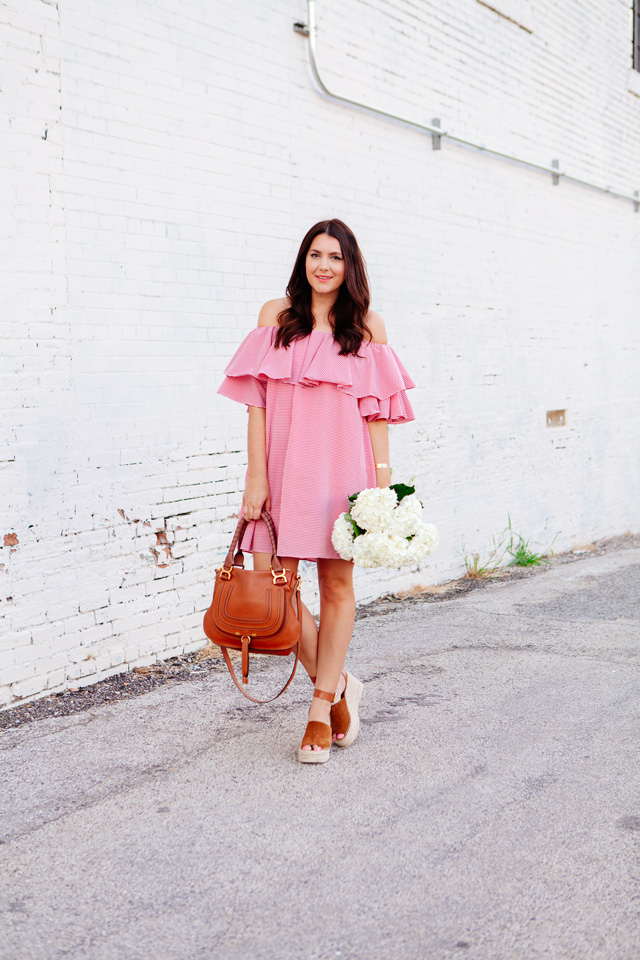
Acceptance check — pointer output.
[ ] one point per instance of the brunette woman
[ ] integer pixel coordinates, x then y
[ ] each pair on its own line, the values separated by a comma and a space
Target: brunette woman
321, 384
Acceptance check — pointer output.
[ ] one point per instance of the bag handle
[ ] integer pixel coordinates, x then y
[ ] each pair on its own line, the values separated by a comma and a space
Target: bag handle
225, 654
230, 559
276, 566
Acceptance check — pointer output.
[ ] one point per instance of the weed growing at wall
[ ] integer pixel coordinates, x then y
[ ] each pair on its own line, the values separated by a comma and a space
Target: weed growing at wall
478, 567
507, 544
521, 552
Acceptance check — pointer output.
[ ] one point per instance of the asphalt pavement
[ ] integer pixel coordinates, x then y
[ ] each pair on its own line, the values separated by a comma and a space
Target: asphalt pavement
489, 810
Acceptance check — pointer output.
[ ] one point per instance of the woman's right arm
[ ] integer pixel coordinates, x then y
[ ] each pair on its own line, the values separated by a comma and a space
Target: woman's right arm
256, 493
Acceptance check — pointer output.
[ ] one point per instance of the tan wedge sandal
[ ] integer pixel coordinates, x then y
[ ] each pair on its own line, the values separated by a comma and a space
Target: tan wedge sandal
344, 713
317, 733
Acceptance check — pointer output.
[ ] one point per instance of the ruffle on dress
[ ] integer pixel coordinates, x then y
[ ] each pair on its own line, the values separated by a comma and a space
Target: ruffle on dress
376, 377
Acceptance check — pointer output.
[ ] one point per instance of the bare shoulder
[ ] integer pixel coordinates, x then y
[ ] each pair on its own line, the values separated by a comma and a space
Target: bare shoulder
268, 316
376, 327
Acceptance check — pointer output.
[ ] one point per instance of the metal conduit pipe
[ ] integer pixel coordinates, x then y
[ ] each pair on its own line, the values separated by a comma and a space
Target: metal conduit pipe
309, 30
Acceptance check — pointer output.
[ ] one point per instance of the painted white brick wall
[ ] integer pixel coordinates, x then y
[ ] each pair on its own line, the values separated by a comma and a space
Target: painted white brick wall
160, 163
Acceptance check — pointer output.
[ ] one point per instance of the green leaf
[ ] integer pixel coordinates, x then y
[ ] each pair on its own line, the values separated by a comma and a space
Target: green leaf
402, 490
353, 496
357, 531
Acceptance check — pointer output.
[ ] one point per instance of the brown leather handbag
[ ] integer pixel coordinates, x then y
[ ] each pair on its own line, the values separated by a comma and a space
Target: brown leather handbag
255, 611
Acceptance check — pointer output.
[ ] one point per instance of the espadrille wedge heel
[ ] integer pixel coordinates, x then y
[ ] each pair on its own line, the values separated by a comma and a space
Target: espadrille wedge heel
344, 713
318, 734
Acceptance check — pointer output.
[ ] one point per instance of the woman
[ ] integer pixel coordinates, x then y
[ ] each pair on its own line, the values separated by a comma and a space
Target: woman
321, 384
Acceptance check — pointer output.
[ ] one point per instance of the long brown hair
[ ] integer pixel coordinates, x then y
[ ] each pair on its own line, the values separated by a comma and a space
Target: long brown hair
348, 314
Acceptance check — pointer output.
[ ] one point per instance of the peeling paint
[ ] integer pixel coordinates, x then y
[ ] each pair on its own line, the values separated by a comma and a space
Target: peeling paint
136, 520
160, 551
11, 540
162, 546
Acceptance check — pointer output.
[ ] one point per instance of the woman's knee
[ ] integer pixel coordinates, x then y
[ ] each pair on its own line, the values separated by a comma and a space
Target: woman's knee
335, 588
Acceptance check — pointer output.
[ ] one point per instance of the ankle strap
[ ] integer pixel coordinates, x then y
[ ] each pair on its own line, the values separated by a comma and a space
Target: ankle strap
324, 695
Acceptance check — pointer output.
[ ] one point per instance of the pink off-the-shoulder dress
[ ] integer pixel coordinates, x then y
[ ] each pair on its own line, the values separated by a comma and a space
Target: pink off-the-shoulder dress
318, 446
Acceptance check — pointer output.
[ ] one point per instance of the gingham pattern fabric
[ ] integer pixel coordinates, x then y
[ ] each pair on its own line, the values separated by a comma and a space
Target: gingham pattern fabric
318, 446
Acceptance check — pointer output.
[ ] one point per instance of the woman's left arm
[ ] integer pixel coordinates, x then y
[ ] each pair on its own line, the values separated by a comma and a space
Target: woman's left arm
379, 433
379, 429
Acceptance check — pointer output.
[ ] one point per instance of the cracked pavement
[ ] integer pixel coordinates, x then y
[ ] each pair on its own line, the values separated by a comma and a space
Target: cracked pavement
489, 810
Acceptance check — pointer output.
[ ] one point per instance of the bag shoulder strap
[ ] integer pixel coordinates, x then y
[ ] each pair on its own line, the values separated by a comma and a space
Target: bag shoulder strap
276, 565
225, 654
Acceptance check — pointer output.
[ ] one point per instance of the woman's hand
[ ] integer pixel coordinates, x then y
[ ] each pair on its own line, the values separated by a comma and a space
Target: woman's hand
256, 496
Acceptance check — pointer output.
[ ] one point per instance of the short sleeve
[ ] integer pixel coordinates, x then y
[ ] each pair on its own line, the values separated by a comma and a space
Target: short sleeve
246, 389
380, 383
243, 380
393, 409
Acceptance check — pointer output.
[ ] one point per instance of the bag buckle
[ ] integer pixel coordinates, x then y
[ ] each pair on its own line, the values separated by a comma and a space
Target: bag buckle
279, 577
225, 574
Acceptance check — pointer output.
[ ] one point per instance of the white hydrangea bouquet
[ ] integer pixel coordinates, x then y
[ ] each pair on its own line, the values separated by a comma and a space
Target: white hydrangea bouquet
384, 528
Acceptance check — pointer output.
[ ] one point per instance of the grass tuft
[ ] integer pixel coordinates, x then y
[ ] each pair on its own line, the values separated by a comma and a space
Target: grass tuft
479, 569
521, 552
508, 544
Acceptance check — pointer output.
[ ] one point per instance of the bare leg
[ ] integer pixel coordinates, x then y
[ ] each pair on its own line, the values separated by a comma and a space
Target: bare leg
309, 650
337, 614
